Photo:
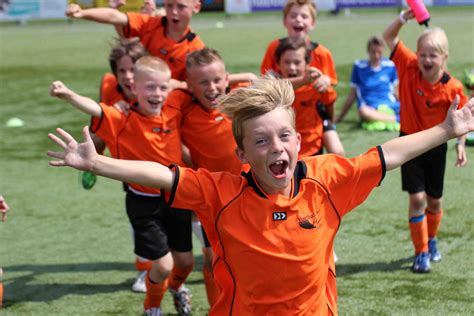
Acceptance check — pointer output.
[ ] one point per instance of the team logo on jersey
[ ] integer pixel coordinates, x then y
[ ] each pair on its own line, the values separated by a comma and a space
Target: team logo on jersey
163, 51
219, 118
279, 216
309, 222
420, 93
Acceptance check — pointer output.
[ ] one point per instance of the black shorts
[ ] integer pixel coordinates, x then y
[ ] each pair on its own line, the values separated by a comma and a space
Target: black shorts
157, 228
426, 172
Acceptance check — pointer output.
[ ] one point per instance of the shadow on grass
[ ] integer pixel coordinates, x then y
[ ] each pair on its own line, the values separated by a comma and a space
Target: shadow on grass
32, 288
352, 268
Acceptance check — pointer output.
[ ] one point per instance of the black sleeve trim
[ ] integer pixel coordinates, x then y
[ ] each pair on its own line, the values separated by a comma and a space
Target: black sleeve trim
126, 28
382, 160
174, 187
394, 50
101, 119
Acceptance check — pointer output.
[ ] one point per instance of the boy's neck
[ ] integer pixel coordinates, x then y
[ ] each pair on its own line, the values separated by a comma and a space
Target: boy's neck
176, 34
154, 114
435, 78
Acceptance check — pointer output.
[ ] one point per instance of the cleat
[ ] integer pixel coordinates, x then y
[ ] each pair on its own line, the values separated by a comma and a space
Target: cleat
435, 255
88, 180
139, 285
182, 300
154, 311
421, 263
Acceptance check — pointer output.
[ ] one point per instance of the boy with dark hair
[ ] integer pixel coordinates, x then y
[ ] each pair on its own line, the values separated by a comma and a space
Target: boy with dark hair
272, 229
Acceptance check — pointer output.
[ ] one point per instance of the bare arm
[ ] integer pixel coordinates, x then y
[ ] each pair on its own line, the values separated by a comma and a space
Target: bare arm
84, 157
242, 77
84, 104
390, 35
347, 104
457, 123
101, 15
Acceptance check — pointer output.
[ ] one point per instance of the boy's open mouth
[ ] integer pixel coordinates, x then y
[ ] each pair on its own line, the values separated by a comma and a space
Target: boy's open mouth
154, 103
427, 68
298, 29
278, 168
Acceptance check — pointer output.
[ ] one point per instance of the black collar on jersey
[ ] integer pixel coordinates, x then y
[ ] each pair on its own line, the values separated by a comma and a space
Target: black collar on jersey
445, 78
298, 175
189, 36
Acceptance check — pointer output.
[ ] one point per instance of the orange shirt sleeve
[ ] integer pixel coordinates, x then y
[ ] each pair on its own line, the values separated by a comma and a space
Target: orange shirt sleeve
350, 181
268, 62
136, 24
321, 58
403, 58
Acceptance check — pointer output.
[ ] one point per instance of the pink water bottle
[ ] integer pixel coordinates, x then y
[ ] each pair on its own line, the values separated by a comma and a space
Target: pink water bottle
421, 13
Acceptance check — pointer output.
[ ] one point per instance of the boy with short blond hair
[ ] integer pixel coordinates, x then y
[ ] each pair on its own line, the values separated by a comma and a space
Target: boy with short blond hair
168, 37
272, 228
426, 91
151, 132
299, 18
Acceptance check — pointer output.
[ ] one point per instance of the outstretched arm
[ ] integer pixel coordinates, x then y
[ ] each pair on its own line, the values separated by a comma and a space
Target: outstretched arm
84, 104
347, 104
390, 35
457, 123
82, 156
101, 15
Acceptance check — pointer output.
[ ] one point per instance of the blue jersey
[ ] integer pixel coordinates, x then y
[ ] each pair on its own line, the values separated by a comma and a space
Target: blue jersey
375, 86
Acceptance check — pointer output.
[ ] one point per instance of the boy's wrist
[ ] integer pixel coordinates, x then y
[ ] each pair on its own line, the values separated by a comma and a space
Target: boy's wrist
402, 18
460, 142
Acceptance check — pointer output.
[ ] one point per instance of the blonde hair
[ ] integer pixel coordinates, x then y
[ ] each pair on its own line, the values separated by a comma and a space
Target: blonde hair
435, 37
290, 3
202, 57
263, 96
151, 64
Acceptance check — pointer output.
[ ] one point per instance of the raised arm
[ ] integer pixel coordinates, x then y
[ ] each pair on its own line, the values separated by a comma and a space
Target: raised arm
82, 156
457, 123
101, 15
84, 104
390, 35
347, 104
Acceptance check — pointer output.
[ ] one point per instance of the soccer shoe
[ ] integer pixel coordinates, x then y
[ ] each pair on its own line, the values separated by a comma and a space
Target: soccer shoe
435, 255
182, 300
421, 263
470, 139
154, 311
139, 284
88, 180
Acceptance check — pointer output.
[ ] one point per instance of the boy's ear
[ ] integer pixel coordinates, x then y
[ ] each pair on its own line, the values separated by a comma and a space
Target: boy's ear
196, 6
241, 155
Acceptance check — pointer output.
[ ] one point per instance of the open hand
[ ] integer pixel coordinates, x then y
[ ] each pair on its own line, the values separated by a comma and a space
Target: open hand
76, 155
460, 122
122, 106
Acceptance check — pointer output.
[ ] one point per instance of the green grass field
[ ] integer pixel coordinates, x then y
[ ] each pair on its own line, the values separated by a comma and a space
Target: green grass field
65, 250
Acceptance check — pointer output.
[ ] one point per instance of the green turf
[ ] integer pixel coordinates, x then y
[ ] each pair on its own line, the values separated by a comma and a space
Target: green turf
65, 250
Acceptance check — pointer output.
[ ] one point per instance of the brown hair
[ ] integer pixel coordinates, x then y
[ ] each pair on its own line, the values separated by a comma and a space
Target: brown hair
263, 96
292, 44
126, 47
374, 41
202, 57
290, 3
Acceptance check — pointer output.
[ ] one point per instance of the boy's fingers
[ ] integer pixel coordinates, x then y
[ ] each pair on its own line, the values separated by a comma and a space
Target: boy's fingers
55, 154
67, 137
57, 140
57, 163
85, 134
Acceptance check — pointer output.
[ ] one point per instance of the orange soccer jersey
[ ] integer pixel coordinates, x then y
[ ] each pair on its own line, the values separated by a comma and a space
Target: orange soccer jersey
273, 253
308, 122
208, 135
321, 58
110, 93
422, 104
138, 137
152, 33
